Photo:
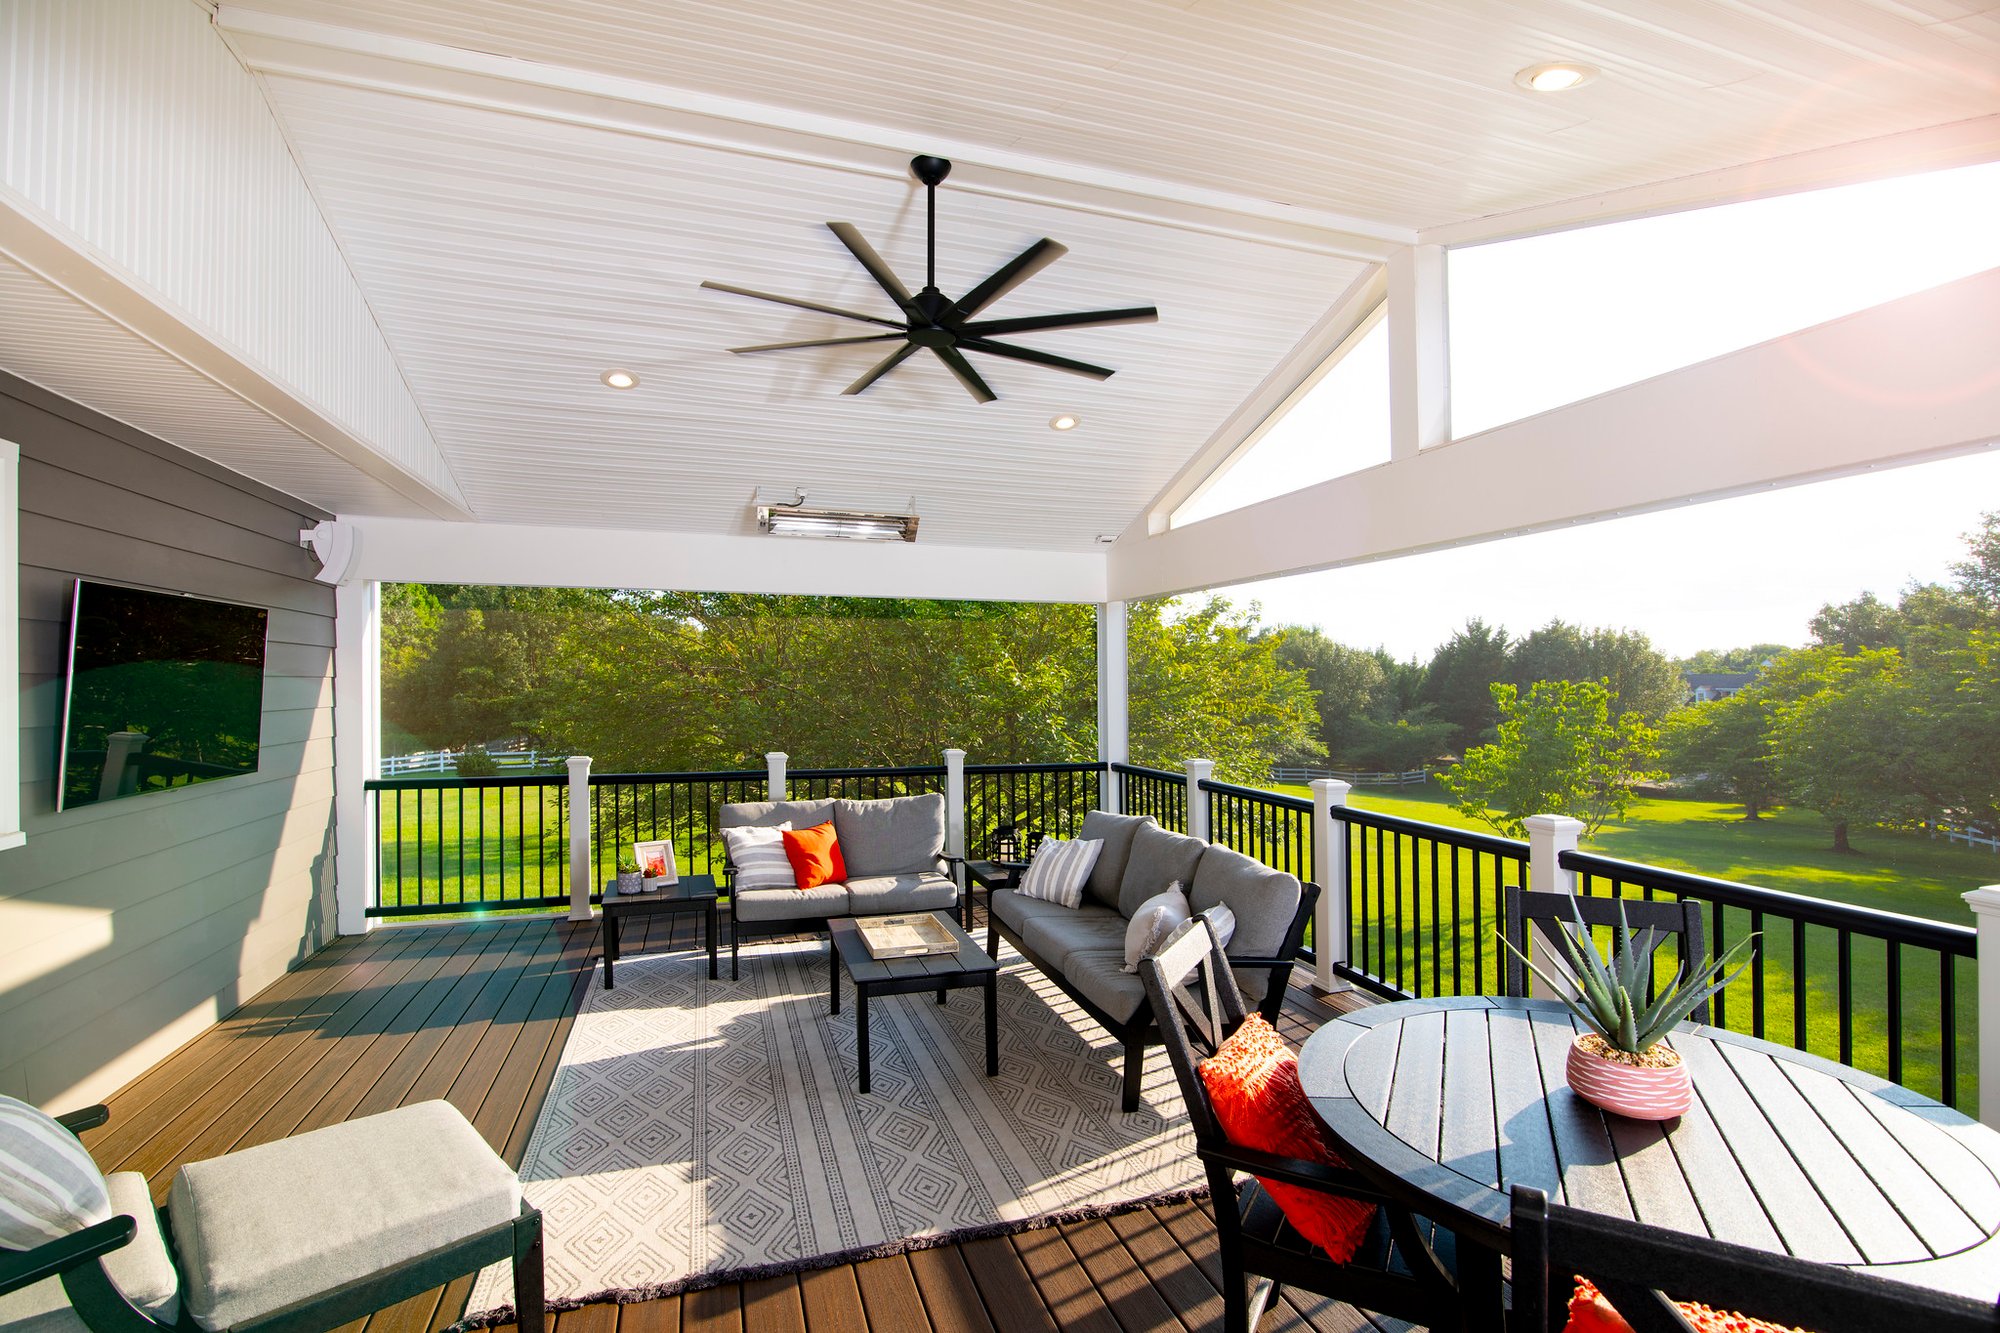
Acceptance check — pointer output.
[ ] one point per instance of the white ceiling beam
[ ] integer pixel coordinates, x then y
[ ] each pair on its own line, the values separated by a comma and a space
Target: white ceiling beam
303, 48
1905, 382
1419, 359
1934, 148
46, 248
399, 550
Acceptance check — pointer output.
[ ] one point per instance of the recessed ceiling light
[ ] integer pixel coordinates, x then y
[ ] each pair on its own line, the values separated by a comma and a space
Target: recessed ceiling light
620, 379
1063, 422
1555, 77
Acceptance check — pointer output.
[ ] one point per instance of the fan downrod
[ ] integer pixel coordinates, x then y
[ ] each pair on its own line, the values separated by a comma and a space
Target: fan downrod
930, 170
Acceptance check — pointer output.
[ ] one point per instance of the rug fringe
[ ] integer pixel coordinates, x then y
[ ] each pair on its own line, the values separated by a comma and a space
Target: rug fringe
504, 1314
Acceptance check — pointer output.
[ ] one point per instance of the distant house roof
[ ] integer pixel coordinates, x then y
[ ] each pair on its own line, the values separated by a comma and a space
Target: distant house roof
1718, 680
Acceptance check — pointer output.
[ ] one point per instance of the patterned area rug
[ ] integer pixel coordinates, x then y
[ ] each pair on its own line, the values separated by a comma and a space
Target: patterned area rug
699, 1131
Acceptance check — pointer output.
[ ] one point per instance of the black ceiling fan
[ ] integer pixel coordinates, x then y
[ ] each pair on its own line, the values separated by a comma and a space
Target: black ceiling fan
947, 327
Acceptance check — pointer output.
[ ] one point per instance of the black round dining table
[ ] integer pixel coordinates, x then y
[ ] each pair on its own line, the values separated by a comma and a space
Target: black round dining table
1449, 1103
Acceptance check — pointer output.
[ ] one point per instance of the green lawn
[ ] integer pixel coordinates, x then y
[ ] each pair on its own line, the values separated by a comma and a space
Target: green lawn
1894, 871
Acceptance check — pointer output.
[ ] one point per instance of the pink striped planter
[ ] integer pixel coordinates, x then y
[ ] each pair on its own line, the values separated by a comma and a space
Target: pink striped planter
1627, 1090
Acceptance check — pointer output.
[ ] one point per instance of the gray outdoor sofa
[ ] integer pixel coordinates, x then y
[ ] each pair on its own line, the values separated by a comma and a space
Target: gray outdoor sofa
894, 850
1082, 949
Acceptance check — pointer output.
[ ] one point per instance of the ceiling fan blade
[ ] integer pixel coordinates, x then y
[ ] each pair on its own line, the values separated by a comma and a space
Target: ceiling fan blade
883, 367
1034, 357
1005, 279
1082, 319
966, 374
803, 305
885, 277
819, 342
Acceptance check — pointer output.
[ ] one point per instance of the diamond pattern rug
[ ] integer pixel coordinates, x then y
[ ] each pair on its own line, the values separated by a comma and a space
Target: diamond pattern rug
700, 1130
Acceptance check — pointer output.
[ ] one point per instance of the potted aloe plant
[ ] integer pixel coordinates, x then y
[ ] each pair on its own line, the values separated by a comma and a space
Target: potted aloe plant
629, 878
1622, 1064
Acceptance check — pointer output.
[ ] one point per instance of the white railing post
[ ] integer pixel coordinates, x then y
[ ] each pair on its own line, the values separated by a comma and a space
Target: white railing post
1549, 836
774, 774
954, 802
1985, 904
1330, 928
1198, 770
579, 837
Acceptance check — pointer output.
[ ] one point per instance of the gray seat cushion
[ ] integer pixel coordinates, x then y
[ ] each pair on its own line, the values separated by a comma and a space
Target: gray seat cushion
1099, 976
1264, 900
140, 1270
900, 893
271, 1225
898, 836
818, 903
768, 814
1115, 832
1158, 858
1053, 937
1015, 909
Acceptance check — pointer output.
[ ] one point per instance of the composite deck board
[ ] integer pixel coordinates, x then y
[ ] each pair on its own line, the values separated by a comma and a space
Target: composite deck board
478, 1013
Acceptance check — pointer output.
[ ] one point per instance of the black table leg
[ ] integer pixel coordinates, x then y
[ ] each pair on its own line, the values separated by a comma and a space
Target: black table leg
861, 1030
1480, 1285
610, 946
992, 1026
710, 923
833, 984
944, 994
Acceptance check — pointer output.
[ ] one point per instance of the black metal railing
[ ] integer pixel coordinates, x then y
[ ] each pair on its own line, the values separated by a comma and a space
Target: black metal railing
862, 784
1038, 800
1423, 902
1265, 826
678, 808
454, 845
1155, 792
1889, 993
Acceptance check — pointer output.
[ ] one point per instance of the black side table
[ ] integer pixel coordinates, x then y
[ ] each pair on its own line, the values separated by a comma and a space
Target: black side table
989, 875
693, 893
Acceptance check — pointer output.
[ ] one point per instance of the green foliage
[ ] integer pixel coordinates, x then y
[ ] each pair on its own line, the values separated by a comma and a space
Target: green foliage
1866, 622
1640, 677
476, 763
1348, 683
1731, 659
1843, 736
1205, 683
1979, 573
1398, 745
1559, 751
1723, 748
1611, 992
1459, 684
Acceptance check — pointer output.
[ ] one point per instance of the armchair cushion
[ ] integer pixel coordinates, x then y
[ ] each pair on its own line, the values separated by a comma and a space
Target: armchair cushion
1095, 972
1115, 832
49, 1186
1017, 909
1264, 900
877, 894
900, 835
141, 1271
1158, 858
788, 903
271, 1225
770, 814
1055, 936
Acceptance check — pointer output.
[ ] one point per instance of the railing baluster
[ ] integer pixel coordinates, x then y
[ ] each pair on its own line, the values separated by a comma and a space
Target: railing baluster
1799, 984
1845, 940
1948, 1011
1895, 997
1757, 955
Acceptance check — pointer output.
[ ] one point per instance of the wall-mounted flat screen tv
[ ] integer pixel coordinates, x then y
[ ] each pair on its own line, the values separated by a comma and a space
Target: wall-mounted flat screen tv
161, 691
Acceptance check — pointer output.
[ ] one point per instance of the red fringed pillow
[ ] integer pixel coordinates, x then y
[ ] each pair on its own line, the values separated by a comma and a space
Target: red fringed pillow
815, 856
1589, 1312
1253, 1084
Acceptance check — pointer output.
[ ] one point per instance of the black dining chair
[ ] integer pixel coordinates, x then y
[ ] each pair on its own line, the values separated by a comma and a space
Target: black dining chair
1402, 1270
1653, 925
1636, 1266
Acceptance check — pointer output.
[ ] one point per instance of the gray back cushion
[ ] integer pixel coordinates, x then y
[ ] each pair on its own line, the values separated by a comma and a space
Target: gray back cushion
898, 836
768, 814
1158, 859
1115, 832
1264, 900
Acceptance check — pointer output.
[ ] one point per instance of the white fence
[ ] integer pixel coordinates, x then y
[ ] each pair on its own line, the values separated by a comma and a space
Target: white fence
446, 761
1356, 779
1971, 837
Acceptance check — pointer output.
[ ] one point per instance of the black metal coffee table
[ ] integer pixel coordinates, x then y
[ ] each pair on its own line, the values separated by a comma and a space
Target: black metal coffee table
693, 894
941, 972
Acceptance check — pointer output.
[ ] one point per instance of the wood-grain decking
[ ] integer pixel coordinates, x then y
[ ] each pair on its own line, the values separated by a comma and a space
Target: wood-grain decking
477, 1014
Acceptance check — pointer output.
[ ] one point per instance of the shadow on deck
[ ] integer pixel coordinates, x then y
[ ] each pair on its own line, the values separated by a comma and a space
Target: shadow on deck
477, 1014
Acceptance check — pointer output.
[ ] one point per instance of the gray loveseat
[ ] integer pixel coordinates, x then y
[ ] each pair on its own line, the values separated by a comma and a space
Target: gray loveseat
894, 850
1082, 949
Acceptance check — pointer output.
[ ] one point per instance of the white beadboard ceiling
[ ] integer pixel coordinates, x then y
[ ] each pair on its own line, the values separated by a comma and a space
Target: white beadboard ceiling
510, 260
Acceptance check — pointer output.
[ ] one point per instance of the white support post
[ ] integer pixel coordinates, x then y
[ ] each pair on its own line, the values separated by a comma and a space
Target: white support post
579, 837
1549, 836
1985, 904
357, 751
1114, 731
1419, 363
774, 774
954, 802
1198, 771
1330, 925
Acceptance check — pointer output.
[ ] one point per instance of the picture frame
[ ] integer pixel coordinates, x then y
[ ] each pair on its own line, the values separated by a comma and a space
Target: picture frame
656, 863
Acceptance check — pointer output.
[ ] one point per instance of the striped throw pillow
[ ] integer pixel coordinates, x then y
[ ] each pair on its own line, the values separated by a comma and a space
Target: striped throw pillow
49, 1186
759, 857
1059, 870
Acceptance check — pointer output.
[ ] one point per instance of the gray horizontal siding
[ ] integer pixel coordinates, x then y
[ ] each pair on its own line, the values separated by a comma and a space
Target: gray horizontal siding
126, 927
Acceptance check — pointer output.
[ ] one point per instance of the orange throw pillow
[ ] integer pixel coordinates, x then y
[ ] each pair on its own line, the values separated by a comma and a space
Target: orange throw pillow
1589, 1312
1253, 1084
815, 856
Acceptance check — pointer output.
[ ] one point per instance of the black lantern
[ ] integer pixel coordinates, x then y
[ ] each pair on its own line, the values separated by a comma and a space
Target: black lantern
1006, 846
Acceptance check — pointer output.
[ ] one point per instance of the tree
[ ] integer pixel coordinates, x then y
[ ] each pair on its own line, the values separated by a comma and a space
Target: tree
1205, 683
1458, 685
1864, 623
1349, 685
1979, 573
1559, 751
1842, 738
1723, 748
1398, 744
1731, 659
1641, 678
